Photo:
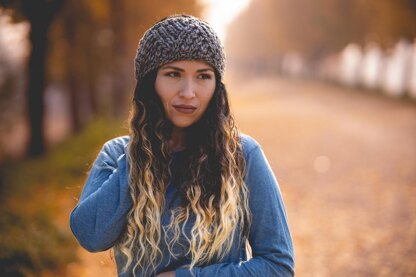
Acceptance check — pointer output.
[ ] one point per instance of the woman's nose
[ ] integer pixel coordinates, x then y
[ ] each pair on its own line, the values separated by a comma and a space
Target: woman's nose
187, 89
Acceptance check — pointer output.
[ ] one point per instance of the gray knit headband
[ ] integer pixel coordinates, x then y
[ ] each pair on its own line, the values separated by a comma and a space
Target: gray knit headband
179, 37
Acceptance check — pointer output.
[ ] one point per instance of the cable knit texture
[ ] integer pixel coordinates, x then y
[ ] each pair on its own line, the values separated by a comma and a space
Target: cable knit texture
179, 37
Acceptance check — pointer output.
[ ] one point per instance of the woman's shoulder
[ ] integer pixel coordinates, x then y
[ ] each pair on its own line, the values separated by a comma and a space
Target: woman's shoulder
121, 140
248, 143
116, 146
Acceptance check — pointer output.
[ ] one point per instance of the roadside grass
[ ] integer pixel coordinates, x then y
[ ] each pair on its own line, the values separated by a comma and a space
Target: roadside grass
36, 197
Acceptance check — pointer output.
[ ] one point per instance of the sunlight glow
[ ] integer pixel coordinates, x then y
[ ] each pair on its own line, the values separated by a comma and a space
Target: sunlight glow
220, 13
13, 40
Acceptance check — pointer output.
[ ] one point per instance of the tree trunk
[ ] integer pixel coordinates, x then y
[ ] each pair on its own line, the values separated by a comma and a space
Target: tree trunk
40, 14
72, 65
119, 73
91, 80
36, 86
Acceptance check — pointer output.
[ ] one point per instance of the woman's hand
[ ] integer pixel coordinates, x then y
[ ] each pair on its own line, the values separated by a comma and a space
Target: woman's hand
167, 274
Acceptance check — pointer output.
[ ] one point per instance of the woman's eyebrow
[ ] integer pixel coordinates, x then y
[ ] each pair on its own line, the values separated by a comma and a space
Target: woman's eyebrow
205, 69
172, 67
182, 70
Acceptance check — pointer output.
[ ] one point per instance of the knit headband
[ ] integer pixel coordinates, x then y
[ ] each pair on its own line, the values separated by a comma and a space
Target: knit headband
178, 37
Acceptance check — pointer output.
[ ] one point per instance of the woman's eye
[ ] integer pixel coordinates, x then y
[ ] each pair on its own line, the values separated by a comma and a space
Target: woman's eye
172, 74
205, 76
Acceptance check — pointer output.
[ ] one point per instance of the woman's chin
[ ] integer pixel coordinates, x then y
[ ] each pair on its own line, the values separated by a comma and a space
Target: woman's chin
182, 125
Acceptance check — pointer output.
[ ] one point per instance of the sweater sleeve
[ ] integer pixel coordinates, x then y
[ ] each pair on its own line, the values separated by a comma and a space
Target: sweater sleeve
100, 215
269, 237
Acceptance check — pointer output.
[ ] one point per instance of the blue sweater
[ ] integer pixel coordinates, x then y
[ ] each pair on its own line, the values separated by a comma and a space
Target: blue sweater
101, 215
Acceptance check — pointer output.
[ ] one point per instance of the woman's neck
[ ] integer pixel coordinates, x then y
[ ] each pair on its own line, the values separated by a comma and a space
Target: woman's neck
177, 141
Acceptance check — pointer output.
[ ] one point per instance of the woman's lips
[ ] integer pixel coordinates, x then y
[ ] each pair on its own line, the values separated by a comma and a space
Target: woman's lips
184, 108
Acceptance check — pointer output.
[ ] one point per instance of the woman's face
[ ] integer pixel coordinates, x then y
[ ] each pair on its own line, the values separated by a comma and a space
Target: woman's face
185, 89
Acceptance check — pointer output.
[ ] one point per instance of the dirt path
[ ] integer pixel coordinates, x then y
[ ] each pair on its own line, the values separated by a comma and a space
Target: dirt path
346, 164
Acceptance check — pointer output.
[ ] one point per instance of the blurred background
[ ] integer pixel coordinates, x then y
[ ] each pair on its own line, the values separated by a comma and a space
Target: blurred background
327, 87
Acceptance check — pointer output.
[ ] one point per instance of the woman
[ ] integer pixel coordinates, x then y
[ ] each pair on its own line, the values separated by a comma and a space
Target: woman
185, 193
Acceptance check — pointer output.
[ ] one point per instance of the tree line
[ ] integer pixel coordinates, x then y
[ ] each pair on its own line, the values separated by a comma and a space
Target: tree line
317, 28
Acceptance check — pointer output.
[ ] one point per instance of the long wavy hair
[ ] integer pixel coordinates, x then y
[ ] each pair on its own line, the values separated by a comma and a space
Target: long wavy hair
212, 189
